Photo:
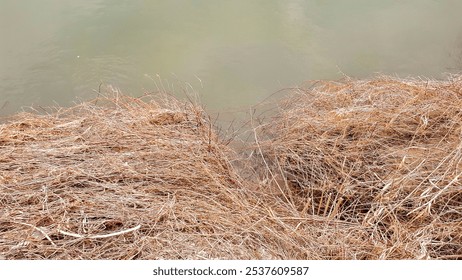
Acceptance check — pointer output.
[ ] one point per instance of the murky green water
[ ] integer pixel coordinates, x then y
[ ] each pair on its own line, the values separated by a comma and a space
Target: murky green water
234, 53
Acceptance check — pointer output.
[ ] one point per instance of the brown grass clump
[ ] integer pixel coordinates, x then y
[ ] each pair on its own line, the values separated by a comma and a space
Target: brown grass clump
383, 154
123, 178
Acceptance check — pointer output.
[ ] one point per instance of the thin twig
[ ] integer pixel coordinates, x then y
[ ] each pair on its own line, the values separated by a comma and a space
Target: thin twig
99, 235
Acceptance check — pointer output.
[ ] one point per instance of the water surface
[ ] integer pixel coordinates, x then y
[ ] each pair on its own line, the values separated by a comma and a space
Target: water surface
233, 53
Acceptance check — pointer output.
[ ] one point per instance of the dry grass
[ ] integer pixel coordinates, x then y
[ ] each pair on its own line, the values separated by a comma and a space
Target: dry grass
114, 164
384, 154
350, 170
128, 178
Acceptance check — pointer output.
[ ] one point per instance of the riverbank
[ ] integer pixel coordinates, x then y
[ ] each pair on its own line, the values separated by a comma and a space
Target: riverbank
342, 170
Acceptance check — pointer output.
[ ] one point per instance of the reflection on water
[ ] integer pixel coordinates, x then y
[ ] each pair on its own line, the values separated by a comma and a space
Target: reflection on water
234, 53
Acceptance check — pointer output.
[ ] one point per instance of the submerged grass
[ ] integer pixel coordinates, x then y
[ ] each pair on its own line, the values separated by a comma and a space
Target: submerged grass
345, 170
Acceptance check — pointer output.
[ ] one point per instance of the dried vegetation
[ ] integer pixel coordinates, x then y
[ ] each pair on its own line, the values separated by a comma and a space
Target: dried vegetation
383, 154
345, 170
